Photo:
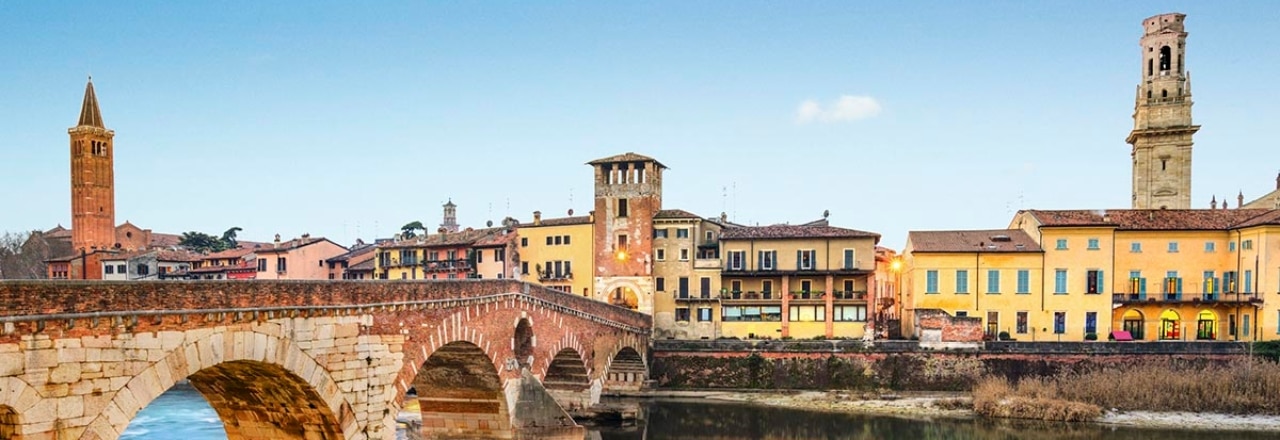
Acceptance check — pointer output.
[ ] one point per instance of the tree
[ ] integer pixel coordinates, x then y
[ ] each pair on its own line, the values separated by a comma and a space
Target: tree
229, 237
410, 229
22, 255
202, 242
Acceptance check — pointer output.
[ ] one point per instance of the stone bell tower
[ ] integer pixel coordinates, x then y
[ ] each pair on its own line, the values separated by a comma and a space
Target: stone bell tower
1162, 128
93, 200
628, 193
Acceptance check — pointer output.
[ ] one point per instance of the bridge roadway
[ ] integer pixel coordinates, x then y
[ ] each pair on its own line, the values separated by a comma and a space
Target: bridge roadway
310, 359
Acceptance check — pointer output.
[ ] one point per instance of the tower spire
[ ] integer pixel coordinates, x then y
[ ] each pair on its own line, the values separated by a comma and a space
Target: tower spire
90, 115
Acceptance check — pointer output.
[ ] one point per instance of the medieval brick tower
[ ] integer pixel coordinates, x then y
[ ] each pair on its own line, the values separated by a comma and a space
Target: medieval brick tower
1162, 128
93, 200
628, 195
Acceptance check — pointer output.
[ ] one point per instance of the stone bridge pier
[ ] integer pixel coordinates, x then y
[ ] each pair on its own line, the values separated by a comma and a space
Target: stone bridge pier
311, 360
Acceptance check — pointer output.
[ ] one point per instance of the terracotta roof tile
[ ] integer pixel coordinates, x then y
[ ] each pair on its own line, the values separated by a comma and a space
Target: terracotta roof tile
356, 252
562, 221
461, 238
1150, 219
625, 157
993, 240
363, 266
675, 213
793, 231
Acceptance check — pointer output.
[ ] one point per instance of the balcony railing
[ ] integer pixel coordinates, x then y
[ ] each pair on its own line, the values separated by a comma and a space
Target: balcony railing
445, 265
699, 296
1185, 297
552, 276
748, 295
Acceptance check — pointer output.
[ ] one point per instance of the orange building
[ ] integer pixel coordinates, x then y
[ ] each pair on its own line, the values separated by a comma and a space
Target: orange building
628, 194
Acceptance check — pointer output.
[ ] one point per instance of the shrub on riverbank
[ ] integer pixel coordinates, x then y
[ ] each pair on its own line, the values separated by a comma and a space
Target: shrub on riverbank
1242, 387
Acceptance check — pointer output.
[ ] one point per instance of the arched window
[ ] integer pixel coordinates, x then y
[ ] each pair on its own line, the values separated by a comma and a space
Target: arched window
1164, 93
1166, 58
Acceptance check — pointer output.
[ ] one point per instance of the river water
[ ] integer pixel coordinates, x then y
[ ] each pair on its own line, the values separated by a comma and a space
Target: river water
183, 414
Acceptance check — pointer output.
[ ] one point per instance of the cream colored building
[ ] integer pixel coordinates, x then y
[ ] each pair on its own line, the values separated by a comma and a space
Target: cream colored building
686, 270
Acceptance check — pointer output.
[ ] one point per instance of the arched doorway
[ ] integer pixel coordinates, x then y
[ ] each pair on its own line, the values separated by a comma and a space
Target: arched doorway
624, 297
1134, 323
1206, 325
1170, 325
460, 394
523, 343
8, 423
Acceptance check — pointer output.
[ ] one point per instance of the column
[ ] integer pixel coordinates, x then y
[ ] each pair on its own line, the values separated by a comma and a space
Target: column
786, 307
830, 297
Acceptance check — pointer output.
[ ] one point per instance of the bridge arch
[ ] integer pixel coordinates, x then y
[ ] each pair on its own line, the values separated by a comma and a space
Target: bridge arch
8, 423
16, 398
626, 370
262, 387
460, 393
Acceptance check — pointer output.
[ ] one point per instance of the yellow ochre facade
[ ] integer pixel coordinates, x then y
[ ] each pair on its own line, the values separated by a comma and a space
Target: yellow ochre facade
558, 253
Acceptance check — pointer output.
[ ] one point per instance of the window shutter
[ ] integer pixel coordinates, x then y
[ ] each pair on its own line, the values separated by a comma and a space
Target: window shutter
760, 260
1142, 285
1179, 285
1101, 278
798, 259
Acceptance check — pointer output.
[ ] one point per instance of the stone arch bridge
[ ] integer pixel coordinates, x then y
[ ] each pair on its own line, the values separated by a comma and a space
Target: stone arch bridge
310, 360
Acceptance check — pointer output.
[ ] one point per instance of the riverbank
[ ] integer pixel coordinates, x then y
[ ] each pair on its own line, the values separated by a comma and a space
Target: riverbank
955, 405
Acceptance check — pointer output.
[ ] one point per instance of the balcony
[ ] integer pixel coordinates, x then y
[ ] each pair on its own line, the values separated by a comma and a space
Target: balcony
706, 263
752, 296
445, 265
552, 276
700, 297
1186, 297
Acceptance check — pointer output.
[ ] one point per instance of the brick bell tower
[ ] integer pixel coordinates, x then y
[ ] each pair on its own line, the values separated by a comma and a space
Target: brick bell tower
93, 201
1162, 128
628, 191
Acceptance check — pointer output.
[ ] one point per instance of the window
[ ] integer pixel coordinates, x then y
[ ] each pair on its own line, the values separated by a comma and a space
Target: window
684, 288
736, 259
961, 314
682, 314
1137, 284
1172, 284
143, 270
804, 259
110, 269
993, 281
1135, 247
479, 256
849, 313
622, 209
1093, 244
550, 240
1060, 282
704, 314
524, 241
566, 239
1093, 282
962, 281
661, 284
807, 313
849, 262
1246, 245
660, 233
1230, 281
559, 239
767, 259
711, 236
704, 287
931, 281
1210, 282
661, 254
684, 255
524, 267
622, 242
1173, 247
280, 264
848, 286
1059, 322
1062, 244
1021, 323
1091, 322
1024, 281
1245, 321
682, 233
735, 286
499, 255
766, 287
1248, 281
1209, 246
120, 267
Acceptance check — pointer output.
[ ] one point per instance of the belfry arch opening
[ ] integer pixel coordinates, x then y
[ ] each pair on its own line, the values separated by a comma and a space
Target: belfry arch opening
1166, 58
8, 423
460, 394
250, 400
523, 343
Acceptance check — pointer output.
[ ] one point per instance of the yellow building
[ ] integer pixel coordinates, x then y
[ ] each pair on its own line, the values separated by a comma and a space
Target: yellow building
1163, 274
994, 275
686, 270
799, 281
558, 253
441, 256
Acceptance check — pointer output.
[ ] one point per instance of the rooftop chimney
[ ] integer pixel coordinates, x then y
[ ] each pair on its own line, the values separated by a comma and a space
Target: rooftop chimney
1213, 204
1240, 200
537, 218
1277, 180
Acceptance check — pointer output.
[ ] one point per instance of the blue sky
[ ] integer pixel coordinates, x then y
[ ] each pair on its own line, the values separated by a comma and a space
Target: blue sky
348, 120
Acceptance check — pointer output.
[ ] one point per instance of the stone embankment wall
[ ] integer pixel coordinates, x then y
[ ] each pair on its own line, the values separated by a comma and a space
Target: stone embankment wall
899, 365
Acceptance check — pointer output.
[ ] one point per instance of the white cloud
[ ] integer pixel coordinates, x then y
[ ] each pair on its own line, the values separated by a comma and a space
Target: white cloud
847, 108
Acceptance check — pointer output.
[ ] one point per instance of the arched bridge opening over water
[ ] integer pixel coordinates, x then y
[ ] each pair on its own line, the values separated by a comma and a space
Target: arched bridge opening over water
310, 359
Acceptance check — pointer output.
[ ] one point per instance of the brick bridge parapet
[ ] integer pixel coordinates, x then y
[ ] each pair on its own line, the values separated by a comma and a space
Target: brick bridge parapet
318, 359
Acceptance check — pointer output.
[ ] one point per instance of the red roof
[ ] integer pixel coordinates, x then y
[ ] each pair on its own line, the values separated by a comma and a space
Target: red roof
1155, 219
793, 232
993, 240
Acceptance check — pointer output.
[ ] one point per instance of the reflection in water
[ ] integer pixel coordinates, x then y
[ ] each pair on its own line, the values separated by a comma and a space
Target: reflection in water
183, 414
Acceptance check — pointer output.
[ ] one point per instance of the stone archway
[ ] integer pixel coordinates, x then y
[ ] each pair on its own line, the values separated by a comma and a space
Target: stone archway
1170, 325
461, 394
568, 380
1135, 323
9, 423
270, 389
626, 371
